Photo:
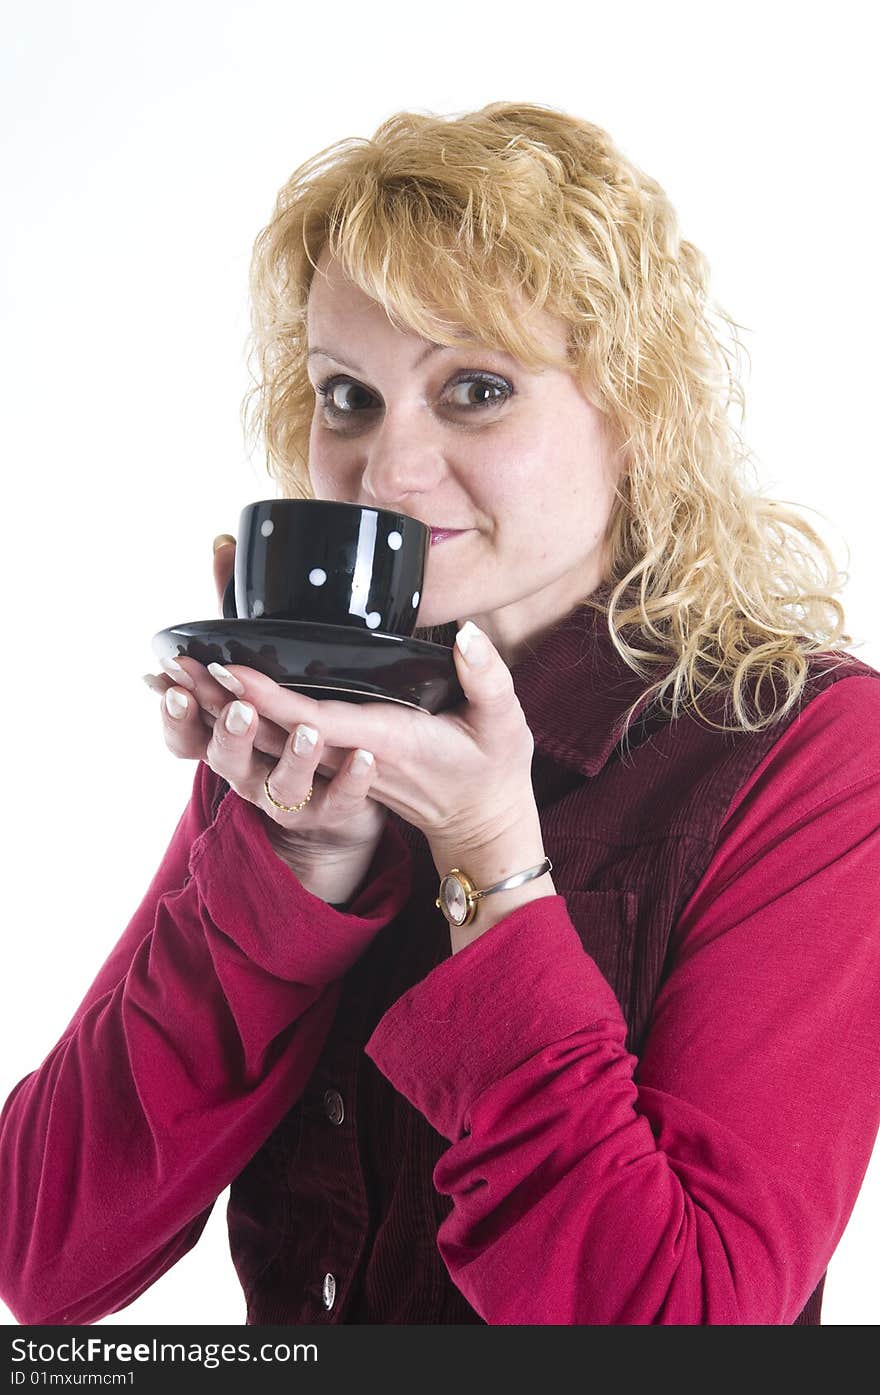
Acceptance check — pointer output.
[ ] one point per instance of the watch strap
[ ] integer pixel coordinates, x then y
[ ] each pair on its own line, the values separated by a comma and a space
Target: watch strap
516, 880
472, 894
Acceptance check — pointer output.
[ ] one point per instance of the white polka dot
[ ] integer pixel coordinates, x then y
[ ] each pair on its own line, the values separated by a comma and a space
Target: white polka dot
415, 599
258, 609
395, 541
373, 619
267, 527
317, 577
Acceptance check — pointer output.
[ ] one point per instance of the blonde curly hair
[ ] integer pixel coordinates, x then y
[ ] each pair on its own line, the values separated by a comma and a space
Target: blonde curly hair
436, 218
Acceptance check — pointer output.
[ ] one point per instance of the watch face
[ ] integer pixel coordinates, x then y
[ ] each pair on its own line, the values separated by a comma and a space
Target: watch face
453, 900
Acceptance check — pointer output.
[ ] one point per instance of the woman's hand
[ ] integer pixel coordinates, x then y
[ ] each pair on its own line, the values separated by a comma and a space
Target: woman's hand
330, 842
463, 777
189, 733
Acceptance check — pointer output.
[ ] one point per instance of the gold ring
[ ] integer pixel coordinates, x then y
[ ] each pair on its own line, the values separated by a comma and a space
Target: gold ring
288, 808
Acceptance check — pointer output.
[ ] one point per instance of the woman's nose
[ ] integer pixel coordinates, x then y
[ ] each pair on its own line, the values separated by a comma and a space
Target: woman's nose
404, 455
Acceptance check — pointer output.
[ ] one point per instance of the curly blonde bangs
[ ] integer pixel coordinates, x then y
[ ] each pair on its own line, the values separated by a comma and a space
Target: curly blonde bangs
454, 226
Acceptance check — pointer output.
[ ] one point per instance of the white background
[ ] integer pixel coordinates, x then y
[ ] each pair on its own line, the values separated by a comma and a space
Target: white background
142, 150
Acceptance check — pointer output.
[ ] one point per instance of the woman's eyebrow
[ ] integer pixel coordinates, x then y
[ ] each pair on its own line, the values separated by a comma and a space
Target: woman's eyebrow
324, 353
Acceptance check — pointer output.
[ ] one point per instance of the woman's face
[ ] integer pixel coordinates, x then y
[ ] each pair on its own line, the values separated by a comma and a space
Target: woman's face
468, 439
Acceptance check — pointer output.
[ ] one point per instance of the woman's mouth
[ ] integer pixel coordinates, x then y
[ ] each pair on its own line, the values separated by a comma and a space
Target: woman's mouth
439, 535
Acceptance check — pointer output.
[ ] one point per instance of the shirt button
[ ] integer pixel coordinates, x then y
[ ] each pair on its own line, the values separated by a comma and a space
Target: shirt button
333, 1106
328, 1293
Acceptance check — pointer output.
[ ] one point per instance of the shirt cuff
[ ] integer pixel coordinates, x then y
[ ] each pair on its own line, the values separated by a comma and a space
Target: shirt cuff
526, 983
252, 896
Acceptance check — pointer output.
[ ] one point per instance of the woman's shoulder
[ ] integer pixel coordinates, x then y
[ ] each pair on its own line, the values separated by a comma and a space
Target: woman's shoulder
841, 712
834, 665
831, 746
805, 823
855, 685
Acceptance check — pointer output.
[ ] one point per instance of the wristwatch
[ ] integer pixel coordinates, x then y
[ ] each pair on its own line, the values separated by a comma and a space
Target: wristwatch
458, 896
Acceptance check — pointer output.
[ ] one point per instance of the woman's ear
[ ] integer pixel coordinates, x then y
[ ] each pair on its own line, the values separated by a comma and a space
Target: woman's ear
224, 565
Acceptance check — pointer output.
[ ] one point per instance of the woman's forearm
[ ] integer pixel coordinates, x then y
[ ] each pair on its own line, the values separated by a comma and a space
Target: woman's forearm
198, 1036
334, 877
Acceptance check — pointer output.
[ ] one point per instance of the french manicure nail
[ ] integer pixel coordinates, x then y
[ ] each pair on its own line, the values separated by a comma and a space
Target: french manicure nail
154, 684
178, 673
228, 679
239, 717
472, 643
176, 703
305, 739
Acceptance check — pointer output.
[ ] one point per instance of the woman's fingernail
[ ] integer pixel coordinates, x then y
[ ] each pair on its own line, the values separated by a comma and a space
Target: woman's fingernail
154, 684
178, 673
363, 758
227, 679
222, 540
305, 739
472, 643
239, 717
176, 703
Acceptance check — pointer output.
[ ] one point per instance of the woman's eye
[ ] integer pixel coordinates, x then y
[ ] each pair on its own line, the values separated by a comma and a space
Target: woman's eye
342, 397
479, 392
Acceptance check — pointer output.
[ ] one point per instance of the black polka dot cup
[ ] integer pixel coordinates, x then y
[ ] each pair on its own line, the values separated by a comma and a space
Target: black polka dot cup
328, 563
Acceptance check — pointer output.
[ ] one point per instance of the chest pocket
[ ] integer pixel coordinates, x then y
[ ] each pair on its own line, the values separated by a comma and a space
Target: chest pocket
606, 923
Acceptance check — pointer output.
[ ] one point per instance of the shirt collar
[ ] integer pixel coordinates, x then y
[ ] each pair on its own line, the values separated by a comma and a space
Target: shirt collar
575, 691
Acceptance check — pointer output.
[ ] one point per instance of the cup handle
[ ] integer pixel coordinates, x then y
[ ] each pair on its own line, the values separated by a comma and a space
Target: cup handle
229, 610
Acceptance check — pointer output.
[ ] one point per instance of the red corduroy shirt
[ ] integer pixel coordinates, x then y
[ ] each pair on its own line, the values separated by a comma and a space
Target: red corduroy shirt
708, 1181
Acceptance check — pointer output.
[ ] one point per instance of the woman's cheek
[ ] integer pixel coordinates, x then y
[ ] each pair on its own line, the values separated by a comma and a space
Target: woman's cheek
327, 466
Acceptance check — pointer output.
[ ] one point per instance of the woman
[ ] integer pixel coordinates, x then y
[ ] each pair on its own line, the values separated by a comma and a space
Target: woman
631, 1088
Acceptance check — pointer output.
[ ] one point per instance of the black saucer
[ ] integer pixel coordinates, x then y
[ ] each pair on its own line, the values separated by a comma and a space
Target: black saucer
329, 661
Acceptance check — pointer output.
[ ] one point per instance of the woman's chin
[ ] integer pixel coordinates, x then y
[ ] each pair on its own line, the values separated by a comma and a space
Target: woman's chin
434, 619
